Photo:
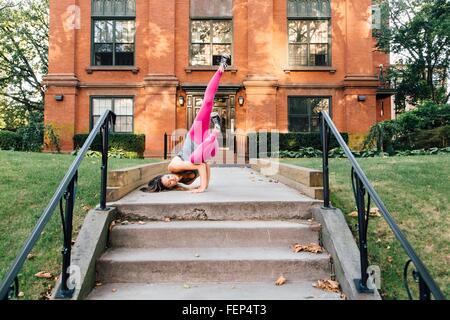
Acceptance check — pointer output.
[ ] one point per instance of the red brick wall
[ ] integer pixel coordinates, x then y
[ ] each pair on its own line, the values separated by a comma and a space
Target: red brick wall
260, 57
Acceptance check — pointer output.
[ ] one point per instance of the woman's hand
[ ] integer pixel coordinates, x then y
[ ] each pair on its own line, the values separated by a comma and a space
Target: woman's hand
197, 190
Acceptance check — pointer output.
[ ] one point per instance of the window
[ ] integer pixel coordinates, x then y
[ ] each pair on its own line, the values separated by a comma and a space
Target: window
121, 106
376, 16
211, 31
303, 113
209, 40
113, 32
309, 32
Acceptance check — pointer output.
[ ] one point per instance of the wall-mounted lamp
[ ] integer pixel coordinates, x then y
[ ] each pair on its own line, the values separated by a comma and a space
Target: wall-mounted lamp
59, 97
361, 98
181, 100
241, 101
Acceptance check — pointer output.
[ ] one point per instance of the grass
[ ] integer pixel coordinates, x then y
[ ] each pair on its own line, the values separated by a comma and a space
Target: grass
27, 184
416, 191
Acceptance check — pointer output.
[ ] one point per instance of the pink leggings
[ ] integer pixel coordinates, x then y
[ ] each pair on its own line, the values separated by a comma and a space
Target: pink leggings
199, 132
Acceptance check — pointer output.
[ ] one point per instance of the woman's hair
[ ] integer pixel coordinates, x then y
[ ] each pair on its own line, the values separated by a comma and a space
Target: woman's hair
155, 185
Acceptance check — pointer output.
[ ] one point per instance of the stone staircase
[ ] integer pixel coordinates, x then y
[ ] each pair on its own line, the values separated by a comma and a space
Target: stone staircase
230, 243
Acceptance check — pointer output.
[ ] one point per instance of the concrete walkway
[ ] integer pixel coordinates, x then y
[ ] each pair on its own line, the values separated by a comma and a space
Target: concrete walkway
227, 184
234, 193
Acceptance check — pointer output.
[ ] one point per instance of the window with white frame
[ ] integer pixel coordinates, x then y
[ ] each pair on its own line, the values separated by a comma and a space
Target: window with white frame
121, 106
309, 32
211, 31
113, 33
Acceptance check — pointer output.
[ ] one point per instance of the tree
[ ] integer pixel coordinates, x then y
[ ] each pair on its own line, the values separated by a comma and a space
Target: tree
418, 31
23, 57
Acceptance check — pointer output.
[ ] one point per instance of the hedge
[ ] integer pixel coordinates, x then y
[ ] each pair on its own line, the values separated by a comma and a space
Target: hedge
294, 141
424, 139
10, 140
125, 141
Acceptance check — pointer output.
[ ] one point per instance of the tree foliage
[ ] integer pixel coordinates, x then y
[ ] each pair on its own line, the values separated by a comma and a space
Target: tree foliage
419, 32
23, 59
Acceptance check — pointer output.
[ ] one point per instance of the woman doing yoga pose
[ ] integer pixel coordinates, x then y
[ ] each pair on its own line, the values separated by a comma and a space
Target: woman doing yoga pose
199, 145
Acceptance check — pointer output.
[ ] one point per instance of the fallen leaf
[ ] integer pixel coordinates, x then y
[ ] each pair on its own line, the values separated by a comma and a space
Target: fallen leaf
280, 281
98, 284
111, 226
374, 212
86, 208
312, 247
186, 286
31, 256
197, 255
141, 222
21, 294
353, 214
114, 290
125, 222
327, 285
43, 275
167, 219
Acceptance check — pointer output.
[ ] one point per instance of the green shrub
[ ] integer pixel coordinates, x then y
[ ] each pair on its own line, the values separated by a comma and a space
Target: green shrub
112, 153
129, 142
382, 136
32, 136
10, 140
423, 139
295, 141
426, 116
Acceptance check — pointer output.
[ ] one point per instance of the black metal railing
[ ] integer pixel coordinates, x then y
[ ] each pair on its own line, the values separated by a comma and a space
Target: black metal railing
362, 187
67, 190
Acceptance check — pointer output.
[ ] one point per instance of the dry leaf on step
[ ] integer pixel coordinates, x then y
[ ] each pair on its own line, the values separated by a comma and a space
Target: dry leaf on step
327, 285
280, 281
125, 222
312, 247
43, 275
111, 226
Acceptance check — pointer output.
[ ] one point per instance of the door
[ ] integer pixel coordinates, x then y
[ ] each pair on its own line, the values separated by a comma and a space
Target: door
221, 106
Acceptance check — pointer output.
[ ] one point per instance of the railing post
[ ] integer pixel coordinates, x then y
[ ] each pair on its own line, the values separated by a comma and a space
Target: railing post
64, 291
165, 145
104, 168
324, 136
424, 291
361, 284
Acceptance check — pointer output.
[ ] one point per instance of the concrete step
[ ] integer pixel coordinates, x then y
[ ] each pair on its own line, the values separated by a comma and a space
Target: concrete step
302, 290
218, 210
217, 234
210, 264
233, 194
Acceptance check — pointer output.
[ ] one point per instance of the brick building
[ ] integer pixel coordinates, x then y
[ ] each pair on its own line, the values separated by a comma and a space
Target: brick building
150, 61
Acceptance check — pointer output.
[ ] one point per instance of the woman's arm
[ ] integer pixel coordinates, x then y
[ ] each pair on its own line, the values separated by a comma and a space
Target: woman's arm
178, 166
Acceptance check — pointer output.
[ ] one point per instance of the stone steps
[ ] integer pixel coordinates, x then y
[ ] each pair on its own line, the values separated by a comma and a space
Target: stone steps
210, 264
299, 290
218, 234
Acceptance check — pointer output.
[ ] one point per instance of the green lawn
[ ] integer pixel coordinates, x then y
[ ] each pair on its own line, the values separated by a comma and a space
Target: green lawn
27, 183
416, 191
